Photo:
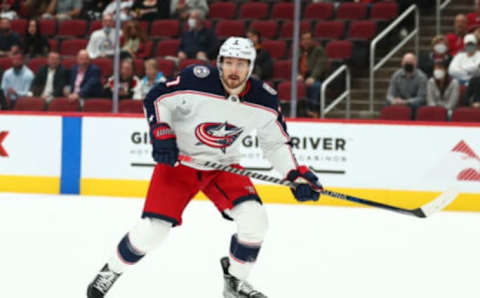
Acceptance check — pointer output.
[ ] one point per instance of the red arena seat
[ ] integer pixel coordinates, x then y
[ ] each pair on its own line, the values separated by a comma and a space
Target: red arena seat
319, 11
466, 114
276, 48
283, 10
36, 63
72, 28
167, 48
286, 31
429, 113
222, 10
285, 88
30, 104
130, 106
165, 28
362, 30
105, 65
227, 28
99, 105
254, 10
330, 30
339, 49
70, 47
19, 26
282, 70
63, 104
267, 29
386, 10
396, 112
352, 11
167, 67
48, 27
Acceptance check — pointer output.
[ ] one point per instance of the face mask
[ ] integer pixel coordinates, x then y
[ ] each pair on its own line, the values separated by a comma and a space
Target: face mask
408, 67
470, 48
439, 74
192, 23
440, 48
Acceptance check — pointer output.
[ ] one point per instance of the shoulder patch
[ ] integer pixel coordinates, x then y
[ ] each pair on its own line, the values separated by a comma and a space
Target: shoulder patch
201, 71
269, 89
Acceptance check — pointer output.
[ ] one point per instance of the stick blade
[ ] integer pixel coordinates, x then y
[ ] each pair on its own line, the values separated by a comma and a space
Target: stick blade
437, 204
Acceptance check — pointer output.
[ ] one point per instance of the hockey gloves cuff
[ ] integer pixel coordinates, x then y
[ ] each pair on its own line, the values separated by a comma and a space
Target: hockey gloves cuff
307, 191
164, 144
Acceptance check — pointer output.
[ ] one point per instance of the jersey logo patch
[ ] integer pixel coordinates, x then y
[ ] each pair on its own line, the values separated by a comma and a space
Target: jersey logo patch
201, 71
269, 89
217, 135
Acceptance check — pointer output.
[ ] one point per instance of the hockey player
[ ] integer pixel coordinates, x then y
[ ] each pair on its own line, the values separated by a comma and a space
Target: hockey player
202, 113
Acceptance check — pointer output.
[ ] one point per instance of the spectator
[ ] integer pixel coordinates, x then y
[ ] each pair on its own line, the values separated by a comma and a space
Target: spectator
152, 76
199, 41
40, 8
455, 40
151, 10
102, 41
17, 80
84, 78
183, 8
443, 90
438, 54
67, 9
473, 19
125, 9
8, 38
128, 81
473, 92
263, 69
35, 44
51, 79
408, 85
312, 65
465, 65
93, 9
133, 40
9, 8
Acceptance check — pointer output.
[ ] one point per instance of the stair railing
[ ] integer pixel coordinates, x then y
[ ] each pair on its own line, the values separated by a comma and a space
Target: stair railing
413, 9
441, 6
345, 95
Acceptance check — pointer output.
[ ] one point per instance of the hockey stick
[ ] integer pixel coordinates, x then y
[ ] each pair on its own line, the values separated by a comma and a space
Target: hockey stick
424, 211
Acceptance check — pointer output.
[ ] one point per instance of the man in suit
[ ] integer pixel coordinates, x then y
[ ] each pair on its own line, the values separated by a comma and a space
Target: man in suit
84, 78
50, 79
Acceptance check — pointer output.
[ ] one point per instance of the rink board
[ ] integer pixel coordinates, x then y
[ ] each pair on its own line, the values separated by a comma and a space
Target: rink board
396, 162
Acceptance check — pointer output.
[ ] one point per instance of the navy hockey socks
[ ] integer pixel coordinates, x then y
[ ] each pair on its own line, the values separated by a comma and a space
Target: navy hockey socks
242, 257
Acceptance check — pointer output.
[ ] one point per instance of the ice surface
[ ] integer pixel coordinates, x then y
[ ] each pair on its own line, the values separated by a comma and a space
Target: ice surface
52, 246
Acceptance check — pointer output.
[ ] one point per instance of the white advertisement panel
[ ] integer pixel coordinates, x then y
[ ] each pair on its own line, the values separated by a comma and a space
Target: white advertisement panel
357, 155
30, 145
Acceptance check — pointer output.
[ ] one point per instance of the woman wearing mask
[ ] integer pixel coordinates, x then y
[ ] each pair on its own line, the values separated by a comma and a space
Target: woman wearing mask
438, 54
466, 64
443, 90
35, 44
152, 76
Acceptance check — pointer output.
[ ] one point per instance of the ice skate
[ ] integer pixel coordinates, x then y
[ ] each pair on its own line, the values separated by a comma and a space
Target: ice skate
236, 288
102, 283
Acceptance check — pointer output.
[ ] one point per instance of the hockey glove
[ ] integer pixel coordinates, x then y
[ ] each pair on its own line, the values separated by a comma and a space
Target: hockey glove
164, 144
305, 191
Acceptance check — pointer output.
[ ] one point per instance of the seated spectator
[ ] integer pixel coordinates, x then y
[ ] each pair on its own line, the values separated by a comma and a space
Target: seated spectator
125, 9
51, 79
128, 81
8, 38
133, 40
443, 90
9, 8
17, 80
67, 9
183, 8
312, 66
35, 44
199, 41
93, 9
455, 40
151, 10
152, 77
263, 69
408, 85
438, 54
465, 65
84, 78
40, 8
472, 95
102, 41
473, 19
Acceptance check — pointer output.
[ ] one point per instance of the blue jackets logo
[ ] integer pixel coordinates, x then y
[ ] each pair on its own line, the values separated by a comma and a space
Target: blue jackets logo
217, 135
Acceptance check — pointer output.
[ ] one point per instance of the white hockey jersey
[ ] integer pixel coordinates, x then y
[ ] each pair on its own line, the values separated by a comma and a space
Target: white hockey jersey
208, 122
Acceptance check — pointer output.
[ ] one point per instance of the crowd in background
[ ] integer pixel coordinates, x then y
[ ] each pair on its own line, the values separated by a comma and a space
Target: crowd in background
440, 77
447, 75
